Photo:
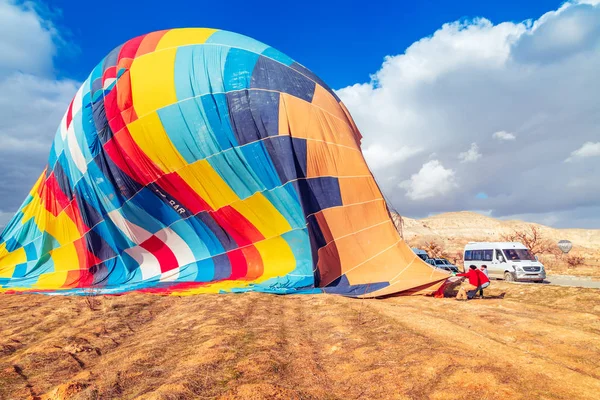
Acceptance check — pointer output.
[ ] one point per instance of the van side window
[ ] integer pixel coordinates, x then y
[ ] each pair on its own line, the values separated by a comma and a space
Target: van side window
500, 256
468, 256
477, 255
487, 255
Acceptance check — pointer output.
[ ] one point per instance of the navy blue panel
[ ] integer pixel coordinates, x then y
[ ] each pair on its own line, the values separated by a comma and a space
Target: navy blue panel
98, 246
272, 75
306, 72
318, 194
317, 240
222, 267
126, 186
111, 59
226, 241
96, 85
101, 273
63, 181
288, 156
169, 200
342, 286
101, 123
254, 114
91, 217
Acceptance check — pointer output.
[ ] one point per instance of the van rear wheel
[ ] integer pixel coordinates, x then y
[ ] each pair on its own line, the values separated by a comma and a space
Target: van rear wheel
508, 277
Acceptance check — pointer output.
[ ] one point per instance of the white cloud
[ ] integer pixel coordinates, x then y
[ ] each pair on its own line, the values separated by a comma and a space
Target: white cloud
503, 135
378, 156
589, 149
32, 100
470, 155
431, 180
469, 78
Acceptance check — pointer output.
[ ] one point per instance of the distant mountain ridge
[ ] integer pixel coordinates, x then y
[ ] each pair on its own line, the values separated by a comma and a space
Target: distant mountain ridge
457, 228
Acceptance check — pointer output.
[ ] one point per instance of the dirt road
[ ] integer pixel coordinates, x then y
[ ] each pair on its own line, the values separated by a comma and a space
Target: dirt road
539, 341
573, 281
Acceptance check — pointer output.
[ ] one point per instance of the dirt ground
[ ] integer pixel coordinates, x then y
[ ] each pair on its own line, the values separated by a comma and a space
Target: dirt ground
537, 342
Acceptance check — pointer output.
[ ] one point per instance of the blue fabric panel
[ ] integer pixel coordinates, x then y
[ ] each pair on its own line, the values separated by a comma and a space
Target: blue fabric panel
342, 286
209, 136
288, 156
206, 270
238, 69
100, 122
131, 265
309, 74
52, 157
89, 211
137, 215
186, 231
30, 251
97, 245
277, 56
227, 243
254, 114
12, 245
236, 40
236, 173
111, 59
187, 139
259, 161
20, 271
205, 234
199, 70
169, 200
299, 242
63, 181
271, 75
222, 267
319, 194
216, 113
155, 207
118, 272
288, 205
71, 173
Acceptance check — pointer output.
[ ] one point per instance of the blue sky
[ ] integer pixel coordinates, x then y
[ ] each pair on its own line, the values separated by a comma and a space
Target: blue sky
343, 42
488, 106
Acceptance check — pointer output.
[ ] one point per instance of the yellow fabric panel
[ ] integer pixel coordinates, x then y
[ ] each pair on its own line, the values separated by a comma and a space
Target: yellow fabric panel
61, 227
52, 280
184, 37
358, 190
205, 181
263, 215
278, 258
65, 258
326, 159
8, 261
149, 133
153, 81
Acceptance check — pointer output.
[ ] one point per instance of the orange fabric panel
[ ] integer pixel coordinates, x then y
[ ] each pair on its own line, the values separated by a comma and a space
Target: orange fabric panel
358, 190
149, 42
323, 99
254, 262
341, 221
360, 247
357, 134
326, 159
309, 122
124, 100
329, 264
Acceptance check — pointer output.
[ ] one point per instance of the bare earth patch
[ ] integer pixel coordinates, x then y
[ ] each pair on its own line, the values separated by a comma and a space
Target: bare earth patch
536, 342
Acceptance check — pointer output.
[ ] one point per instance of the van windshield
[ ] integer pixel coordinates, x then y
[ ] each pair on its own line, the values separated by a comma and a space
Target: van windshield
519, 254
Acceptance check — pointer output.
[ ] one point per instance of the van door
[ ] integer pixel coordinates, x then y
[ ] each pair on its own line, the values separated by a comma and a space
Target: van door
498, 265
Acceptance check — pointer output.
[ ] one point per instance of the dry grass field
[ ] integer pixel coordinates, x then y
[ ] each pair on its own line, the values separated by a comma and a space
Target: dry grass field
537, 341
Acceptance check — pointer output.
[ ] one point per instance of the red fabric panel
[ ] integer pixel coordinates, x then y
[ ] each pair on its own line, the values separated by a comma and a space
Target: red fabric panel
174, 185
237, 226
162, 252
239, 267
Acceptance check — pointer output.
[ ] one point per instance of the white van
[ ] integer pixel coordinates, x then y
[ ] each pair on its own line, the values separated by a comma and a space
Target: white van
511, 261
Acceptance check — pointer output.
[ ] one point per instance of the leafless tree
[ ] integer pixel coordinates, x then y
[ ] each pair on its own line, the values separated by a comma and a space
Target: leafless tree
532, 238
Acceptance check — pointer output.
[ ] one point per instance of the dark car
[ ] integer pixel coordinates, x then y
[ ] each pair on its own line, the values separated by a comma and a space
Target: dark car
442, 263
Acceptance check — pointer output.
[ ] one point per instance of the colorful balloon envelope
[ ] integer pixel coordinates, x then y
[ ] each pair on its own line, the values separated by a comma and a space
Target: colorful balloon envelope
199, 160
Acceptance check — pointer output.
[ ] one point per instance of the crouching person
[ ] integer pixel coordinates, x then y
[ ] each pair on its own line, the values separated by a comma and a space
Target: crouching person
475, 281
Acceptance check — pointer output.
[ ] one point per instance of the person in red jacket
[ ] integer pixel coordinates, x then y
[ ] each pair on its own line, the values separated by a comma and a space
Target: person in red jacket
477, 280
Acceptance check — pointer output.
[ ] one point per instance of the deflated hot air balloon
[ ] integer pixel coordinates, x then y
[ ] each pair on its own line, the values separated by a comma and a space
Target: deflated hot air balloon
199, 160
